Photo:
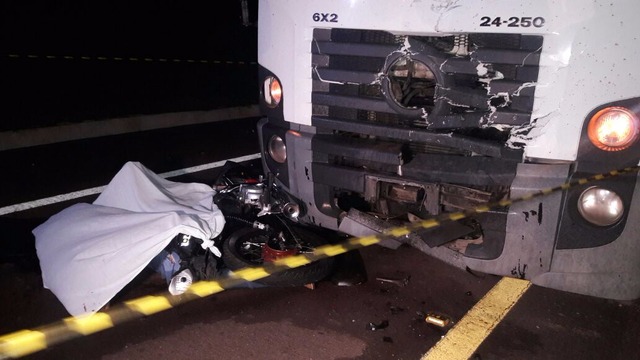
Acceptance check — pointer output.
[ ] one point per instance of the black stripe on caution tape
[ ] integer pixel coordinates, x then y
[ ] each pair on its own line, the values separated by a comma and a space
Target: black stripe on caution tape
25, 342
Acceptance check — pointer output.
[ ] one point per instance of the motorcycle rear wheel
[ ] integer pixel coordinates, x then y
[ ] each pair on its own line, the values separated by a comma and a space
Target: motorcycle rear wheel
244, 248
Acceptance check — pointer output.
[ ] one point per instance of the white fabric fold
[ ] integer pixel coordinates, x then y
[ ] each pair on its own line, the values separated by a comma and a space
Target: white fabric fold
89, 252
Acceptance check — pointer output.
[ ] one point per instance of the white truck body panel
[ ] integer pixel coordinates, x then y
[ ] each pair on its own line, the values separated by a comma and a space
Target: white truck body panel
587, 35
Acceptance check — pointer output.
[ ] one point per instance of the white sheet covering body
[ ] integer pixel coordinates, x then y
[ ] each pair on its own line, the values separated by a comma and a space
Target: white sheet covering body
89, 252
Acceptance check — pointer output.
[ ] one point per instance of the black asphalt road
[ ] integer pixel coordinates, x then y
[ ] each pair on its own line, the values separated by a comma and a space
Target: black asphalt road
328, 322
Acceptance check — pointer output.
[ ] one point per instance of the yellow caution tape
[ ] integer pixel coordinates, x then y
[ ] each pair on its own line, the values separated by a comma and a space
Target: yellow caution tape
24, 342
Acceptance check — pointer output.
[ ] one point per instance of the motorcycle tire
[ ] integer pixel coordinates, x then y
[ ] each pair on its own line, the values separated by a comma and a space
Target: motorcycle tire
242, 249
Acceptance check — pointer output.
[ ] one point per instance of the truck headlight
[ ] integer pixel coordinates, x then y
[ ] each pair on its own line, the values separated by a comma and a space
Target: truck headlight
272, 91
613, 129
277, 149
600, 206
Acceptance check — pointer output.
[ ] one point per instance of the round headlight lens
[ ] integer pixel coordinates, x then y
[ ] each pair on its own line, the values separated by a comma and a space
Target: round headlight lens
277, 149
272, 91
613, 129
600, 206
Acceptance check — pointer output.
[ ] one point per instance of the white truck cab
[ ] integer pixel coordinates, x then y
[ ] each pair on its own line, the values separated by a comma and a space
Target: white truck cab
380, 112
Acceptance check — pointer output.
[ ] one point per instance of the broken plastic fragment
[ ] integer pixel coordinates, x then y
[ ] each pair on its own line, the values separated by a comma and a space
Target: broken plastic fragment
400, 282
181, 282
373, 327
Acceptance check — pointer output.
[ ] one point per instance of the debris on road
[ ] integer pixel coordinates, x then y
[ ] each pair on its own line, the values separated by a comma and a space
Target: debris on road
400, 282
382, 325
395, 309
437, 319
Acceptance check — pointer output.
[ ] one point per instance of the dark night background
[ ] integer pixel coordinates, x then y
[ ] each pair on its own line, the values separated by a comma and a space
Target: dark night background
42, 88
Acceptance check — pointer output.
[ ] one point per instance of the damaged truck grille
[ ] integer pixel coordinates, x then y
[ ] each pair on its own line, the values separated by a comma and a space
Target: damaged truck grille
420, 125
435, 111
462, 94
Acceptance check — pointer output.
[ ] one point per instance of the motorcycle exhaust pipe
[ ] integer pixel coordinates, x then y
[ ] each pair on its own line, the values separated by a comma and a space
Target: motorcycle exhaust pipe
291, 210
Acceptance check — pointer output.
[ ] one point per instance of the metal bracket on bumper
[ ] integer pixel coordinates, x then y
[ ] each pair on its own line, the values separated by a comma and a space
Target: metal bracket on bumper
358, 223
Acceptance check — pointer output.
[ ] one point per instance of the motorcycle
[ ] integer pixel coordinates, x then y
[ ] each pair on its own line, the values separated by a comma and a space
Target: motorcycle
184, 231
260, 227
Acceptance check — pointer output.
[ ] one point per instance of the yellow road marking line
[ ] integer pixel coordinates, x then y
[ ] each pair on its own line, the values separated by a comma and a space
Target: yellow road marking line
463, 339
